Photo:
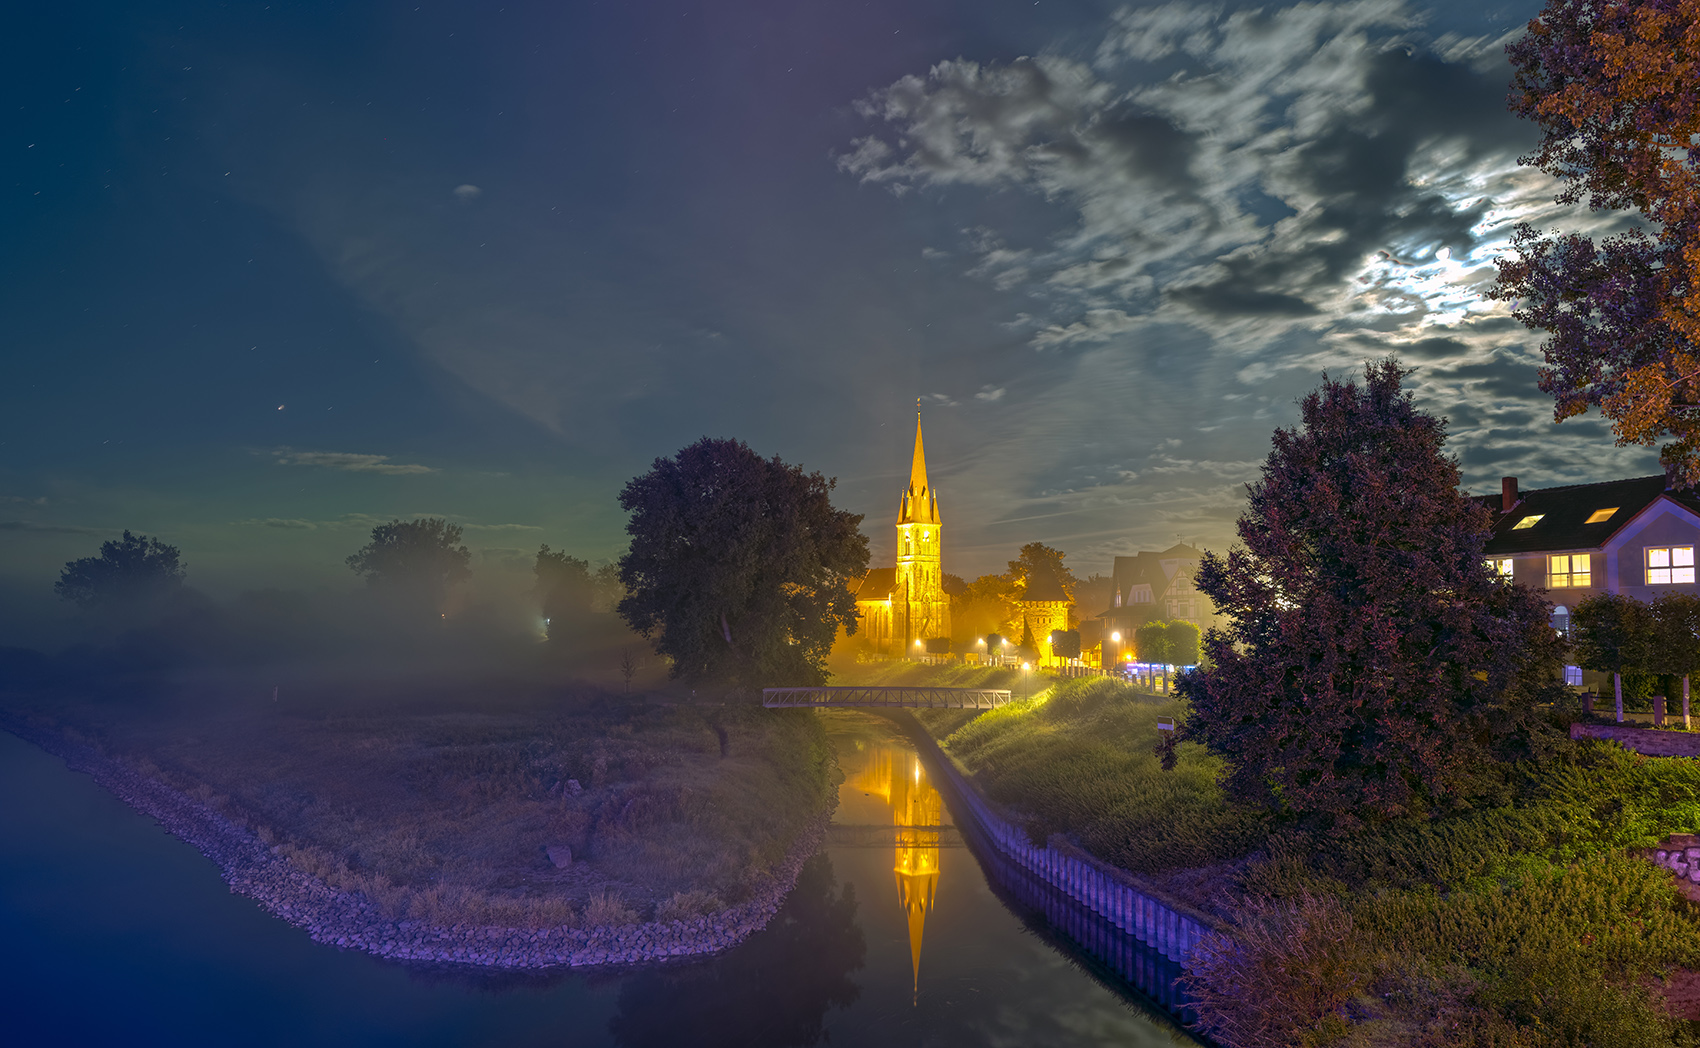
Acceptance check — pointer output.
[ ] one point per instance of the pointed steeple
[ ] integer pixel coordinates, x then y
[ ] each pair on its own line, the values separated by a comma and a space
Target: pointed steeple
918, 465
918, 505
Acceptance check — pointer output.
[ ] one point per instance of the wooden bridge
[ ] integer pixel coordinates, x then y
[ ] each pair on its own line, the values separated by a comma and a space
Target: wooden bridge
911, 698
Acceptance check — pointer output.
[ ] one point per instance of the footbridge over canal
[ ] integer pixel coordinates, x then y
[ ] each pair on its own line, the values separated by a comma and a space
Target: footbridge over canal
908, 698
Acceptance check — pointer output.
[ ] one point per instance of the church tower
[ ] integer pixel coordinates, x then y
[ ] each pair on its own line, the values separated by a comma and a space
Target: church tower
920, 609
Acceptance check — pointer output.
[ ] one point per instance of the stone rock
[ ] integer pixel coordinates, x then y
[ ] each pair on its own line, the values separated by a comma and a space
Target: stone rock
560, 855
574, 787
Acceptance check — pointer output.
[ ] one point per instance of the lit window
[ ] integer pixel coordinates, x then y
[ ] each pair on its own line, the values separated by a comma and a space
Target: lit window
1500, 566
1567, 570
1528, 522
1573, 675
1668, 565
1600, 516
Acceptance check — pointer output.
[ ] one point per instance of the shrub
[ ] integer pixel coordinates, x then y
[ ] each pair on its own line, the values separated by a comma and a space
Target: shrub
1283, 977
606, 909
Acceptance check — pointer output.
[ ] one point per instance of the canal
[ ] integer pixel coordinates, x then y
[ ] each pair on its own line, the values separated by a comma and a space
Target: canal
115, 932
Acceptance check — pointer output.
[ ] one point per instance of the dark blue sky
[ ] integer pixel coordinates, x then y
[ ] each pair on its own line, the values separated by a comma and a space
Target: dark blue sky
275, 271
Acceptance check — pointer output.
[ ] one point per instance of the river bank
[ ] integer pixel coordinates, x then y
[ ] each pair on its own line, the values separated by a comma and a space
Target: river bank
351, 920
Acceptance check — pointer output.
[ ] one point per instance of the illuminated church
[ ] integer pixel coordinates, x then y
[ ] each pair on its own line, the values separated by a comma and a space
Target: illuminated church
902, 608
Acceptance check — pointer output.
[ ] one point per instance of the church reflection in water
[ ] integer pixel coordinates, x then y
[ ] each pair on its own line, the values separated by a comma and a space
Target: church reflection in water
895, 775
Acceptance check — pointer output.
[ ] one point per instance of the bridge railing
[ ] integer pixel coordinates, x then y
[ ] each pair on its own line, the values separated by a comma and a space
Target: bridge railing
908, 698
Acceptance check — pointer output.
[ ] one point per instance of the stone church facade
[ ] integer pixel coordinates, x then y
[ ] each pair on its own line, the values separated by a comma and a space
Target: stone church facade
902, 608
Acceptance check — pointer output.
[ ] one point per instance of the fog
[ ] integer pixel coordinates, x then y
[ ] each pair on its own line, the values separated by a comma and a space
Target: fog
341, 644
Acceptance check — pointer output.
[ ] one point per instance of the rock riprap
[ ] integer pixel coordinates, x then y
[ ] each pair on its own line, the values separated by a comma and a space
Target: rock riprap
352, 921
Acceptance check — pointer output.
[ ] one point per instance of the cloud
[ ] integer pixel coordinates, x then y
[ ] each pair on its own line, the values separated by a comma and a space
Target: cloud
990, 394
353, 463
51, 529
501, 527
1320, 167
468, 192
278, 522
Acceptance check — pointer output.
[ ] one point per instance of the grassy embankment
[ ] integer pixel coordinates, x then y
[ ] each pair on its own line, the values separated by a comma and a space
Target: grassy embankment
1522, 922
442, 809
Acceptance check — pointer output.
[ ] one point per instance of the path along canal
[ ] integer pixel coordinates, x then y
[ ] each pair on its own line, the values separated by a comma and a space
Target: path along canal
114, 932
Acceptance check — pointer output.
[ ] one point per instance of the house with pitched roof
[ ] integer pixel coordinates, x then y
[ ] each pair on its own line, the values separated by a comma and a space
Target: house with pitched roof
1152, 587
1636, 537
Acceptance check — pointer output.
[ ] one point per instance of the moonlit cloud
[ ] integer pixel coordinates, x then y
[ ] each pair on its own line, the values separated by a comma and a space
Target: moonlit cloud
1280, 190
350, 462
468, 193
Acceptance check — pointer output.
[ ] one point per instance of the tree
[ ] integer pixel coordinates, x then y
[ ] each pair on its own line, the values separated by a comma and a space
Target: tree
739, 567
1615, 90
1613, 634
986, 605
1676, 639
567, 589
1036, 557
1065, 644
1151, 643
130, 571
1183, 640
1373, 662
418, 560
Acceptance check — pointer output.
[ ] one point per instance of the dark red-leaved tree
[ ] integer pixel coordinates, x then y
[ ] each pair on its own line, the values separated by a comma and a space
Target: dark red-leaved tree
1615, 90
1374, 661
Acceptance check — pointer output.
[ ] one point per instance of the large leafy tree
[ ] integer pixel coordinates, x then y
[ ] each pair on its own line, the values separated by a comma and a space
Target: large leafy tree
739, 567
1615, 90
415, 560
129, 571
1374, 662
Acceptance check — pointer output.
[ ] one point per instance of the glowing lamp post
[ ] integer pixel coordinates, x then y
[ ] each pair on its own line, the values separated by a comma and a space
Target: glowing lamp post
1026, 681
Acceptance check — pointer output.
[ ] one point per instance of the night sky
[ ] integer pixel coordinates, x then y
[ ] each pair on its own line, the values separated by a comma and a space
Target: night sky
274, 272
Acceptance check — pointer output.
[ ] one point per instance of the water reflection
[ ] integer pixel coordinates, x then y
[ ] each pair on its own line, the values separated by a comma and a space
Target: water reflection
773, 991
896, 776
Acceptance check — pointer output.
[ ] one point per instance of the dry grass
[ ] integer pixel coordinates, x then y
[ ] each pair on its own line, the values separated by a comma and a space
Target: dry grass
445, 812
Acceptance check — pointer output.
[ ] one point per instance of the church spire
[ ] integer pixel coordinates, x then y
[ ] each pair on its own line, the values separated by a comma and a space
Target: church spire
918, 466
918, 505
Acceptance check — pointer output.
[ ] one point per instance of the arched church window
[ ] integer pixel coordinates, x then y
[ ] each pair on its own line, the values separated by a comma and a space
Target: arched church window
1561, 620
906, 545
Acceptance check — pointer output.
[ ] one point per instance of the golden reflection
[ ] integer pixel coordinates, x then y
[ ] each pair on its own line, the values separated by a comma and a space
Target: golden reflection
897, 777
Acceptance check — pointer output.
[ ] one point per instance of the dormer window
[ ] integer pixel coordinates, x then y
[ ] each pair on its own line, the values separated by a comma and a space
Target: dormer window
1528, 522
1600, 516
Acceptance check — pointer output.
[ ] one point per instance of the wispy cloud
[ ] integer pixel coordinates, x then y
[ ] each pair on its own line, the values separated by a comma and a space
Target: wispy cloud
51, 529
1248, 197
348, 461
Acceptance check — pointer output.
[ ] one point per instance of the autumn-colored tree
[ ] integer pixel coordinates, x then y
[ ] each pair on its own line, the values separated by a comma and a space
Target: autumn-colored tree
1374, 662
739, 568
1615, 90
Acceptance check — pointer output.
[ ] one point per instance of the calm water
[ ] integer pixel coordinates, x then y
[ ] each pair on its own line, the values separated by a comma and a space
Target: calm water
113, 932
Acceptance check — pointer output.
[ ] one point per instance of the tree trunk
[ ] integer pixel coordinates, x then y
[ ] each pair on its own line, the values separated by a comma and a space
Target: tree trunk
1617, 689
